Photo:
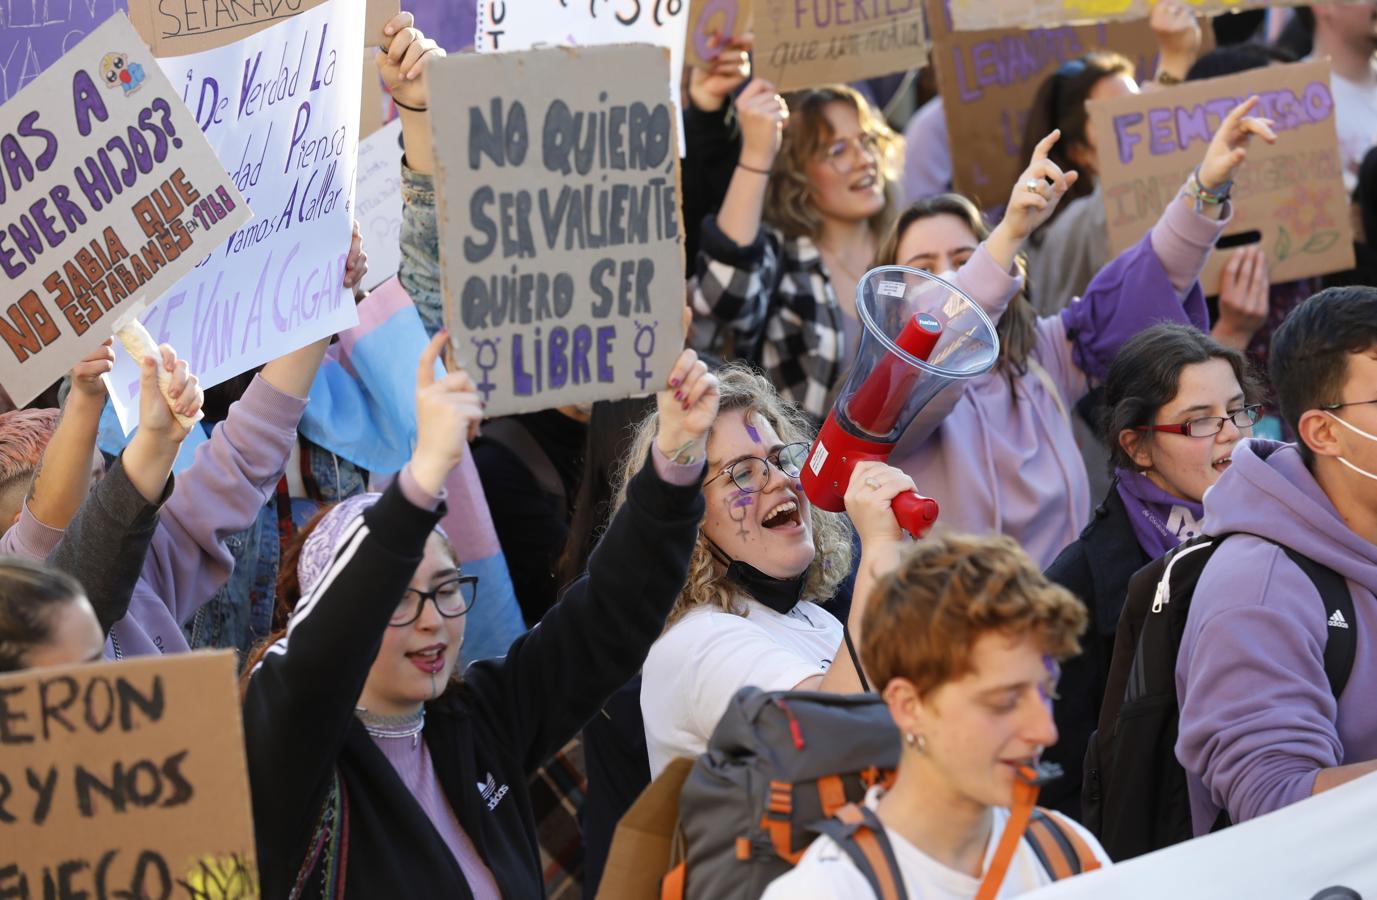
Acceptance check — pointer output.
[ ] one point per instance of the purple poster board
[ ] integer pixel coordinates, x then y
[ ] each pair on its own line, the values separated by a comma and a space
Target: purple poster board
34, 34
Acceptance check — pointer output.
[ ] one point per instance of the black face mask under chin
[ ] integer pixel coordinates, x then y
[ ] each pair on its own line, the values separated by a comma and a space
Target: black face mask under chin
779, 594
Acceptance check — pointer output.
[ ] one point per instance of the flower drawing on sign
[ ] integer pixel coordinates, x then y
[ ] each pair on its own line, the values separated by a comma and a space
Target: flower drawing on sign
116, 69
224, 878
1306, 225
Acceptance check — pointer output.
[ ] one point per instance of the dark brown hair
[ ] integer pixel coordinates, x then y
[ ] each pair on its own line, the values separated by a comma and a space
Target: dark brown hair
29, 595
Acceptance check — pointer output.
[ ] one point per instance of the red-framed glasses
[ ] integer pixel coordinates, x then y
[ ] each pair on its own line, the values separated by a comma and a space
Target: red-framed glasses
1209, 426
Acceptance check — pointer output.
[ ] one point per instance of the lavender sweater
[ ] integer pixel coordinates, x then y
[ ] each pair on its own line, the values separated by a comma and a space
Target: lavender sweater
1001, 456
1258, 720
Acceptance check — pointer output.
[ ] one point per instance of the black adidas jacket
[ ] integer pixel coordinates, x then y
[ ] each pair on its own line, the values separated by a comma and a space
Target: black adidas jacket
495, 729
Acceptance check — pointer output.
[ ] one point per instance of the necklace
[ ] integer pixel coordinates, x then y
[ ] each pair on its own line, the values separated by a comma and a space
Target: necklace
391, 727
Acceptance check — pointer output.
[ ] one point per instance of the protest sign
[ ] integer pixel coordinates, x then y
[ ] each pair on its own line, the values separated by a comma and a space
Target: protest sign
974, 15
1319, 848
1291, 193
108, 195
558, 193
125, 780
281, 109
34, 35
724, 18
179, 29
988, 80
379, 206
803, 43
523, 24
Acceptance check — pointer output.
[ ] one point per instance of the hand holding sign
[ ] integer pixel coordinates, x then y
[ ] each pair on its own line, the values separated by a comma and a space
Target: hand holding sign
1178, 35
1229, 148
688, 408
762, 114
86, 374
709, 87
356, 263
401, 60
170, 396
1034, 199
448, 413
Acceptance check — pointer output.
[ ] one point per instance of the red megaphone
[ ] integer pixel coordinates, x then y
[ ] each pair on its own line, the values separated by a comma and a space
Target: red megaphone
921, 334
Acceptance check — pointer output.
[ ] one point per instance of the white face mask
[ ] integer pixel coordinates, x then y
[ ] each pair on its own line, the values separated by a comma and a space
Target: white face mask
1358, 431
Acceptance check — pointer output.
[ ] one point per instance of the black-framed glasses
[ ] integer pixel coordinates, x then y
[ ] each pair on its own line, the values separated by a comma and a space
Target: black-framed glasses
1332, 406
452, 597
751, 473
1209, 426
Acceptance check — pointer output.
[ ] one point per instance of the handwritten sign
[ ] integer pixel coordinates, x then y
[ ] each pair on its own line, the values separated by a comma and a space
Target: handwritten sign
1292, 192
178, 29
974, 15
803, 43
108, 195
281, 109
558, 192
125, 780
36, 34
988, 80
379, 207
724, 18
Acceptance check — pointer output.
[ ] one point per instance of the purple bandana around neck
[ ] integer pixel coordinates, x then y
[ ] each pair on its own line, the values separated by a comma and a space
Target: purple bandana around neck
1160, 521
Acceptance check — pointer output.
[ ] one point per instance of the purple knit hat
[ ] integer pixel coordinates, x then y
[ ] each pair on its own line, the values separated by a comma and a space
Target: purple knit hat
323, 544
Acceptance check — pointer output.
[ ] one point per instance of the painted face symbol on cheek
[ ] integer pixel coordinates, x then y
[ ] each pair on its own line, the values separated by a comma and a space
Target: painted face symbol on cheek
737, 504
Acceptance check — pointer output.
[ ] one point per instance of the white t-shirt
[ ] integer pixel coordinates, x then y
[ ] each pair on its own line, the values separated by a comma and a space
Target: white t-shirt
826, 873
696, 667
1355, 119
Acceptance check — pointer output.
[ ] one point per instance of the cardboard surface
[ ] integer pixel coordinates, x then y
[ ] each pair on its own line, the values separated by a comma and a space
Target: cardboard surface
726, 18
988, 80
177, 29
559, 215
973, 15
128, 775
94, 226
1291, 192
281, 109
805, 43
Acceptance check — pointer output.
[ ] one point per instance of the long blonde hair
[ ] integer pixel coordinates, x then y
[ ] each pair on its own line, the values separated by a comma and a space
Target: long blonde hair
744, 389
789, 203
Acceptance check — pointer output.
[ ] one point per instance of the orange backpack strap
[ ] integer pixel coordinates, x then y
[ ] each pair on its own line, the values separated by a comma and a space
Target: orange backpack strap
857, 831
1059, 847
672, 887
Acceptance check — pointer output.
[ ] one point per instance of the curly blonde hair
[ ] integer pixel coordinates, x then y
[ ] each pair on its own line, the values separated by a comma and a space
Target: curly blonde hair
923, 619
744, 389
789, 196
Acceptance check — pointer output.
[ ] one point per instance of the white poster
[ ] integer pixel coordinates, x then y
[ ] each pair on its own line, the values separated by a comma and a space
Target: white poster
523, 24
1322, 848
380, 201
281, 109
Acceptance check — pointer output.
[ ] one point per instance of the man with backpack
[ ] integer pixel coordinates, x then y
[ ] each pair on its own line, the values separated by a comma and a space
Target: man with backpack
1265, 719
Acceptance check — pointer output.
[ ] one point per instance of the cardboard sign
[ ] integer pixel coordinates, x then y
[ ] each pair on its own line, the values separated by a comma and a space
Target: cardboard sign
34, 35
178, 29
803, 43
379, 206
558, 191
975, 15
281, 109
108, 195
988, 80
125, 779
724, 18
1291, 192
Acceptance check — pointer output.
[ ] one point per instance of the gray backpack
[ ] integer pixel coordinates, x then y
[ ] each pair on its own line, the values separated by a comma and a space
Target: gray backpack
777, 765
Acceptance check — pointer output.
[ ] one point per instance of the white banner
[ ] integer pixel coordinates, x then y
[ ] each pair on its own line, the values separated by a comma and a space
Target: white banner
281, 109
380, 201
1323, 848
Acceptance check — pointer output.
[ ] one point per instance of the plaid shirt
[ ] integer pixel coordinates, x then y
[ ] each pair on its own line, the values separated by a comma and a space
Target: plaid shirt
777, 302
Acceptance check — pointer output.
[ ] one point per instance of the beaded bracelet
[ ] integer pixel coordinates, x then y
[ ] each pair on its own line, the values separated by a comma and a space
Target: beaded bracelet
1203, 195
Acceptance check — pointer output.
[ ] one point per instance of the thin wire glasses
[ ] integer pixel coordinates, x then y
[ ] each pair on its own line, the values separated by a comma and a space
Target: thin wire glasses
452, 597
751, 473
1209, 426
848, 154
1333, 406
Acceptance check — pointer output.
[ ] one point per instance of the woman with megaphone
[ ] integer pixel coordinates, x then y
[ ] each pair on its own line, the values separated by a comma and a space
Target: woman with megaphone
997, 451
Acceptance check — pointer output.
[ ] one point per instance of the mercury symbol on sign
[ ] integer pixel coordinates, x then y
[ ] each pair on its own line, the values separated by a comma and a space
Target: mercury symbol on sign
487, 365
646, 331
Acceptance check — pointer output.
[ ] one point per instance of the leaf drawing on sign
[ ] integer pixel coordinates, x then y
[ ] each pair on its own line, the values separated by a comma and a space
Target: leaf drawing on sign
1283, 248
1320, 241
221, 878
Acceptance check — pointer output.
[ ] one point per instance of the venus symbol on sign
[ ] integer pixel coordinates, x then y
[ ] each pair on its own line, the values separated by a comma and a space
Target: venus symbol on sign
647, 331
485, 383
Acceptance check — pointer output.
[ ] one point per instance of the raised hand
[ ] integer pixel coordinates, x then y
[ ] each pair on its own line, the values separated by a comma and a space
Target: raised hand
869, 498
762, 113
86, 374
448, 412
356, 263
184, 397
1229, 147
403, 55
709, 88
688, 409
1178, 37
1244, 297
1036, 195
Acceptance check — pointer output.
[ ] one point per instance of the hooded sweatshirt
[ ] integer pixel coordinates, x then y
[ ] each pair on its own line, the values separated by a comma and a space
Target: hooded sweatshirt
1258, 720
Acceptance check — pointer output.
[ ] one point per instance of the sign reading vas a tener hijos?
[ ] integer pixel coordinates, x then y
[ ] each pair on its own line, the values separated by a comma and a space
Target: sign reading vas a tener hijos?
108, 195
563, 265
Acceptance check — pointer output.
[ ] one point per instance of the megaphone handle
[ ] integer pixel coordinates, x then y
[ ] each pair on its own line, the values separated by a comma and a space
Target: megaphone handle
915, 513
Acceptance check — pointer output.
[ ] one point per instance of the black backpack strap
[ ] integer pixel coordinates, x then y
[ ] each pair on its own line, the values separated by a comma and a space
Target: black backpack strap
1061, 851
1341, 645
518, 439
858, 832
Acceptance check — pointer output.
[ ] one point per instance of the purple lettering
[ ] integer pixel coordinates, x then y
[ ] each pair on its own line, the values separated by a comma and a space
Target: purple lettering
1127, 139
86, 102
606, 335
1317, 101
1159, 131
1192, 124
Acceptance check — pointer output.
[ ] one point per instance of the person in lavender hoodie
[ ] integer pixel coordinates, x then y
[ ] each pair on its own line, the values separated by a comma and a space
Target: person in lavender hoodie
1260, 728
997, 451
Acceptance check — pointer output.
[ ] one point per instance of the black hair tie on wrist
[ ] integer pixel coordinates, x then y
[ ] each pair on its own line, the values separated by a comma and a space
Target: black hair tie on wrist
401, 105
